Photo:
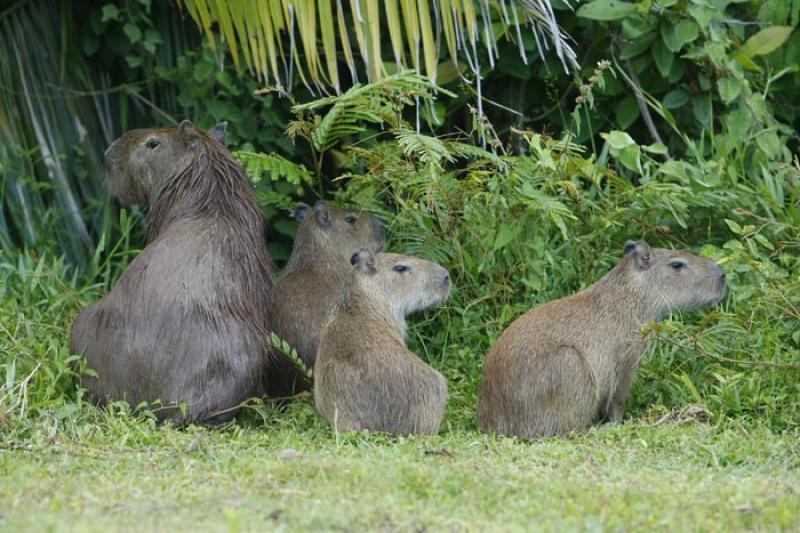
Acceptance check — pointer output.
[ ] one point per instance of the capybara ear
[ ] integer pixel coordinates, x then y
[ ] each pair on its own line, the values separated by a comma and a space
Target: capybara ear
187, 132
364, 261
301, 211
323, 214
640, 251
218, 132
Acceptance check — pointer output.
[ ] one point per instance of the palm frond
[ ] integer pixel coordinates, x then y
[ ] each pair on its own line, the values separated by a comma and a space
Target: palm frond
415, 30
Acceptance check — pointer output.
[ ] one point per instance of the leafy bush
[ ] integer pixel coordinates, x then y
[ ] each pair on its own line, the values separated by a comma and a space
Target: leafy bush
519, 231
702, 69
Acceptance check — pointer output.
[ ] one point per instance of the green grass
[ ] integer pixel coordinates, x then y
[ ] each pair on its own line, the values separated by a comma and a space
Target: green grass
66, 465
111, 472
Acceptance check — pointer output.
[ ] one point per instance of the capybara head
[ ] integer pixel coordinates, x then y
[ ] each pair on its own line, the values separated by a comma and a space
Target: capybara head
407, 283
138, 163
340, 232
672, 280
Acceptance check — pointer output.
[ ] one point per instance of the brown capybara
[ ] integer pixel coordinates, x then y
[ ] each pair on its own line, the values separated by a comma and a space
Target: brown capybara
187, 320
364, 376
312, 282
560, 366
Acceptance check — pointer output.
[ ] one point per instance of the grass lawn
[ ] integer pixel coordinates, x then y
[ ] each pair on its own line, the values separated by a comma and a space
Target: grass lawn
294, 473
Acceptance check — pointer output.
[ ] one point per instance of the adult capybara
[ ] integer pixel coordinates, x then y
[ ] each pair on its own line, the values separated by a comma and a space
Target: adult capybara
364, 376
568, 362
187, 320
312, 282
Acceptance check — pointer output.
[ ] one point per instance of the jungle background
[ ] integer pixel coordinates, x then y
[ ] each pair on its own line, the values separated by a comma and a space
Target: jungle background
523, 169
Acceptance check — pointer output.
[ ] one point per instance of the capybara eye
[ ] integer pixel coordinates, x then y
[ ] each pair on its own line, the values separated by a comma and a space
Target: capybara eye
401, 268
152, 142
677, 265
351, 219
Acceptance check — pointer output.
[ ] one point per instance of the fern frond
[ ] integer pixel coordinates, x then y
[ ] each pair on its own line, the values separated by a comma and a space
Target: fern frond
274, 167
377, 103
549, 206
429, 150
470, 151
291, 354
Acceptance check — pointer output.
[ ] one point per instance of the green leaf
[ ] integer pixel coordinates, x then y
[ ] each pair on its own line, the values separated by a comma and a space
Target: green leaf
675, 98
686, 31
765, 41
663, 58
769, 142
134, 61
729, 89
133, 32
764, 241
504, 236
203, 70
627, 112
775, 11
702, 14
655, 148
618, 140
746, 62
635, 27
678, 35
110, 12
606, 10
734, 226
153, 36
638, 46
701, 108
629, 157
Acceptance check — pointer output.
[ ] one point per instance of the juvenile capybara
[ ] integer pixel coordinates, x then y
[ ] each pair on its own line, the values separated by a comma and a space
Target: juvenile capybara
560, 366
364, 376
186, 322
312, 282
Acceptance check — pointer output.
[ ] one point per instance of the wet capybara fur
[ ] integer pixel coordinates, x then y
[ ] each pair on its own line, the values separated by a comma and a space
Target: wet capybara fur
312, 282
364, 376
571, 361
186, 322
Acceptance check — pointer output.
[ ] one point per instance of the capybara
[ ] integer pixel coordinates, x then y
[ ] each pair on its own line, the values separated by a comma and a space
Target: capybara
571, 361
364, 376
187, 321
312, 282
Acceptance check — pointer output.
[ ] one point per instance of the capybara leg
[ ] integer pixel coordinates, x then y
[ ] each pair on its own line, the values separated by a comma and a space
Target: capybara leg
616, 405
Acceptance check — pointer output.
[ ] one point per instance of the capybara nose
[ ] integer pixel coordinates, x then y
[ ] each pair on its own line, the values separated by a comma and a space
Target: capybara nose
446, 279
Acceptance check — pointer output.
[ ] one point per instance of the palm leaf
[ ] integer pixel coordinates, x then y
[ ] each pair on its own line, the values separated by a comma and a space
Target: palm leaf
463, 25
